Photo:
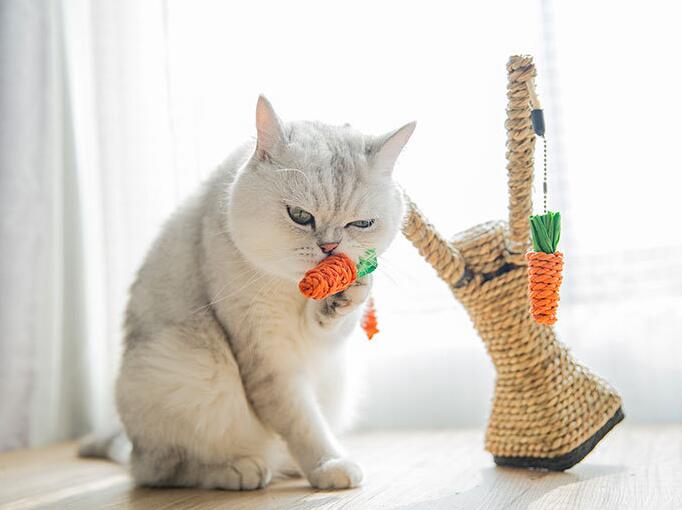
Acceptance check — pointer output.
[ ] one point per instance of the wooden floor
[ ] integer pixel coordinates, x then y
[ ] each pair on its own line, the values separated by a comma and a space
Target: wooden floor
633, 468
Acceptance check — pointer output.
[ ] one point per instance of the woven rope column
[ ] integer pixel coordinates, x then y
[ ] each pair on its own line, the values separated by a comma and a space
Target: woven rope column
548, 411
520, 150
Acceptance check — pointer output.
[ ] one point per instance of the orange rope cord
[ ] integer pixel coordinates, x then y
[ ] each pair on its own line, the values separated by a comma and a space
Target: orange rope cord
369, 319
332, 275
544, 279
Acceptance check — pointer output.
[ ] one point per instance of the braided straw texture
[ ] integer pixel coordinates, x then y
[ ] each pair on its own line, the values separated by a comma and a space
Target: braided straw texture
545, 404
334, 274
544, 280
520, 150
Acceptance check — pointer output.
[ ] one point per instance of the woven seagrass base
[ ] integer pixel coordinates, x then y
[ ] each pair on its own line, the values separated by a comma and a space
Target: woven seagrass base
566, 461
546, 405
548, 410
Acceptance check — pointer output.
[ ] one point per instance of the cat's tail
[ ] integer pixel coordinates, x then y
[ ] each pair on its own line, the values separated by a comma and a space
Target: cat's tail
112, 444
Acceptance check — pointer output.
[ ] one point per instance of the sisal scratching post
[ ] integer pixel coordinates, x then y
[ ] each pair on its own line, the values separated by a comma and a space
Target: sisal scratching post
548, 411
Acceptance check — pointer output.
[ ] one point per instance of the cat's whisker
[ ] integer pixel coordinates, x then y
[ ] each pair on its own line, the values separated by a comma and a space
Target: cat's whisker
406, 274
389, 275
252, 304
395, 272
255, 275
297, 171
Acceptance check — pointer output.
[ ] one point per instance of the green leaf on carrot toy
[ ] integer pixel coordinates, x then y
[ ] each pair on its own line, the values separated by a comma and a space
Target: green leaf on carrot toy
368, 263
545, 231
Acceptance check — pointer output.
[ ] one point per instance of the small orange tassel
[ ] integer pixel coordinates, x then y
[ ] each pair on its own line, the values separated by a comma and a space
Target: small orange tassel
369, 319
544, 279
332, 275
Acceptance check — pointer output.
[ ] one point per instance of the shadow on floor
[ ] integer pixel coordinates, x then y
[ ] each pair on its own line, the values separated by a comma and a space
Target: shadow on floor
511, 489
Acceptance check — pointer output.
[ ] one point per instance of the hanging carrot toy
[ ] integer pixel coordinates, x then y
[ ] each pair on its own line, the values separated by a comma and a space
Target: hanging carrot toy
369, 319
335, 274
545, 263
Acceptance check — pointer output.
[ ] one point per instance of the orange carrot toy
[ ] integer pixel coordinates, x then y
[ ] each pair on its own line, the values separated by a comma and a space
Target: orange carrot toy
332, 275
544, 267
369, 320
545, 264
335, 274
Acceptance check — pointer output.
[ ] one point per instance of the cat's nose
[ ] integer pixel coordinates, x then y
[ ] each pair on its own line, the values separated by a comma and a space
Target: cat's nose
327, 248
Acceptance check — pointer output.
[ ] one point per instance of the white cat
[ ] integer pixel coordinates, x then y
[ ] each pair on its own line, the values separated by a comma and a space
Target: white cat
229, 374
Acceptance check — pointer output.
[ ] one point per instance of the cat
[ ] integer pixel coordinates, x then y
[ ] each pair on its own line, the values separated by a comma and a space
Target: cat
230, 376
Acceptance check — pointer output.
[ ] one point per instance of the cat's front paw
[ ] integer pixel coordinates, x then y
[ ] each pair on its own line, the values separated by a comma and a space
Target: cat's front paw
348, 300
336, 474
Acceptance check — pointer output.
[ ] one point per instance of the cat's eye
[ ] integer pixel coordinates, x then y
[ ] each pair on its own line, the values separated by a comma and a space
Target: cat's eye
300, 216
361, 223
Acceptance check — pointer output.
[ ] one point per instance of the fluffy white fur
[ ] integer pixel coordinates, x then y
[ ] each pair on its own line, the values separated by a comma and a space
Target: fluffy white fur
229, 375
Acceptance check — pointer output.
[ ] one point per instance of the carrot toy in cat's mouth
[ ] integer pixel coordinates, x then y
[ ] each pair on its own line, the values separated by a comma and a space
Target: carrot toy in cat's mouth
332, 275
335, 274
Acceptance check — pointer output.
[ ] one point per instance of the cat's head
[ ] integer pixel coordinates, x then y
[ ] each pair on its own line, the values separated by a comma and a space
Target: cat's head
310, 190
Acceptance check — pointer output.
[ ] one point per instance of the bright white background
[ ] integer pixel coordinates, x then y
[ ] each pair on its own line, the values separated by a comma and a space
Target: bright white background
113, 112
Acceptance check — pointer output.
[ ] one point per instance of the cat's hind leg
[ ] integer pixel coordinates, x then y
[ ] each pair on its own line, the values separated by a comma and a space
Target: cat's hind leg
172, 468
181, 400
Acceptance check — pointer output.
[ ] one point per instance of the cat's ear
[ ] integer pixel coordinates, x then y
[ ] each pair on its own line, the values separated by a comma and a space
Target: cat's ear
384, 150
269, 128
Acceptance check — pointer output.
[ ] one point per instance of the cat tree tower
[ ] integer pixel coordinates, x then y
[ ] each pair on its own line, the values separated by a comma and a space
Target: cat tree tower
548, 411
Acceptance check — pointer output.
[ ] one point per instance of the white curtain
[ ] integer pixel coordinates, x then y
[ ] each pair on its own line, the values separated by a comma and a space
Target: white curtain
112, 112
88, 175
46, 389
